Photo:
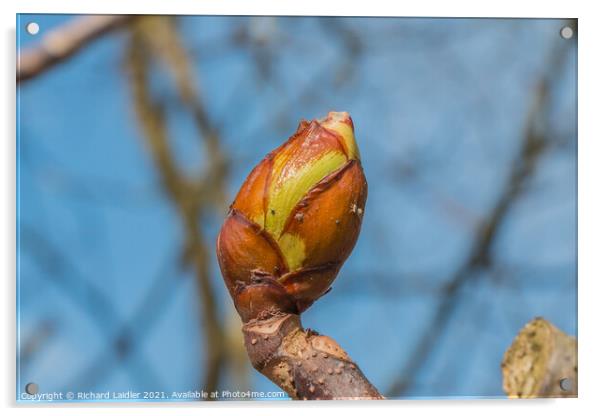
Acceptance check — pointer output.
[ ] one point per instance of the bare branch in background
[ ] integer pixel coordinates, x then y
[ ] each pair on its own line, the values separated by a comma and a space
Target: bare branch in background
40, 336
541, 362
60, 271
78, 289
352, 47
533, 146
61, 43
167, 45
182, 191
124, 343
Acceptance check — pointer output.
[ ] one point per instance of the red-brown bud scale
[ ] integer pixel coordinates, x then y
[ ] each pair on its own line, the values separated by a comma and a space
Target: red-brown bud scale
294, 221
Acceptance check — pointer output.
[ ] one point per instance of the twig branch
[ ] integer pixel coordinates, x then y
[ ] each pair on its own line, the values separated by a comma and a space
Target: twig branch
303, 363
167, 45
61, 43
183, 194
541, 362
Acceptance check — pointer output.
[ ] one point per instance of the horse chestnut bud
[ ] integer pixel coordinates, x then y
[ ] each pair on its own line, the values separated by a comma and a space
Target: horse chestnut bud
294, 221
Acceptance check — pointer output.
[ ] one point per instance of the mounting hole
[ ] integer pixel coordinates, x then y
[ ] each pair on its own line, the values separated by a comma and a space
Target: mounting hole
566, 384
31, 388
32, 28
566, 32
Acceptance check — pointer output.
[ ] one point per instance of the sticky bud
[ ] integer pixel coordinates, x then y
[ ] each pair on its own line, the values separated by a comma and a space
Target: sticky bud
294, 221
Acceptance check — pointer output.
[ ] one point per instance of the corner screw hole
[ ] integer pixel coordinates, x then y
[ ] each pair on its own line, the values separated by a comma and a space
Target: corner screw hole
32, 28
566, 32
566, 384
31, 388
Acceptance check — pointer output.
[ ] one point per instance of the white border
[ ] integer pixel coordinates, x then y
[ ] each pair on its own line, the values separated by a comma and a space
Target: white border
590, 207
466, 8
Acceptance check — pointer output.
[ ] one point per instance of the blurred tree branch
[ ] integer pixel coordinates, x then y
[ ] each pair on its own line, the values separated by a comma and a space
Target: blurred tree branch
353, 47
188, 196
162, 38
129, 335
60, 271
63, 42
533, 145
30, 347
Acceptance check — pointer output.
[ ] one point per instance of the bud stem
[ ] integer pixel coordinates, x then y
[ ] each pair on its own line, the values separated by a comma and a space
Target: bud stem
303, 363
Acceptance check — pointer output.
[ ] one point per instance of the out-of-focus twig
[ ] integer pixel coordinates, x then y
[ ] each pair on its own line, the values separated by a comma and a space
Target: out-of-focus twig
162, 37
541, 362
78, 289
31, 346
533, 145
352, 47
187, 195
64, 41
59, 270
124, 342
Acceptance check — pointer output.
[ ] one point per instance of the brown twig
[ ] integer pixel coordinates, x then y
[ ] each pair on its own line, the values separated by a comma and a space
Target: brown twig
303, 363
541, 362
161, 35
183, 193
61, 43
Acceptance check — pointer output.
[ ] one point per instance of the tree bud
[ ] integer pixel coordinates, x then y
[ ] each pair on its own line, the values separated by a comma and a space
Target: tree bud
294, 221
